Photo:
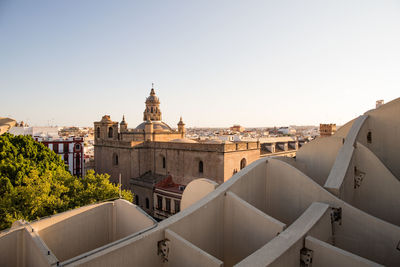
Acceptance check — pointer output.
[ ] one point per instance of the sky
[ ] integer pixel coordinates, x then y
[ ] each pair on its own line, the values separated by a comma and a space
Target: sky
215, 63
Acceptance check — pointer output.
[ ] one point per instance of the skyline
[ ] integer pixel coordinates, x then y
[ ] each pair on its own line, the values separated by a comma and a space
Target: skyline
215, 64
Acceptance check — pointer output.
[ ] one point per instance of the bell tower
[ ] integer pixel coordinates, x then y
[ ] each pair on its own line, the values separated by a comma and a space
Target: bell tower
106, 129
181, 128
123, 126
152, 110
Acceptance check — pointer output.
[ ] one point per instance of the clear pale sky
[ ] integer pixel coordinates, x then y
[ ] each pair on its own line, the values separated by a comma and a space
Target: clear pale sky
216, 63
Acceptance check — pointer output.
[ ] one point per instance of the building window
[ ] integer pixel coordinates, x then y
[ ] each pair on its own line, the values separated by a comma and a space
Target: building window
55, 148
163, 162
147, 203
137, 200
168, 205
369, 137
77, 147
151, 109
177, 204
159, 202
98, 132
78, 165
200, 166
115, 159
242, 163
66, 147
66, 158
110, 132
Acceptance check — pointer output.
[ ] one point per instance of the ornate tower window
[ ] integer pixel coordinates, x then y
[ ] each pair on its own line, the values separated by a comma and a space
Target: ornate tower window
110, 132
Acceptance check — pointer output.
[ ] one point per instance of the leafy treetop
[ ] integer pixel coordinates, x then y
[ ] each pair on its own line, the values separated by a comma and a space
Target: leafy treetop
35, 182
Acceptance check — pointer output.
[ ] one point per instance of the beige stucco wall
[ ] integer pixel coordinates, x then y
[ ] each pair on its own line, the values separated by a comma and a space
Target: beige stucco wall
286, 193
139, 251
18, 248
232, 161
196, 190
184, 253
344, 130
208, 225
284, 249
319, 156
326, 255
208, 235
246, 229
11, 249
379, 189
73, 233
80, 233
384, 124
128, 219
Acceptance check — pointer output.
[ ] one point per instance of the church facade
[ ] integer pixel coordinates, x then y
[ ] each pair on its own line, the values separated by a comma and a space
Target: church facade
153, 151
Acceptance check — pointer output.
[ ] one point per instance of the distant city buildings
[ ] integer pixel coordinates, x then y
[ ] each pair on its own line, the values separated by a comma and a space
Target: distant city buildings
237, 128
287, 131
39, 131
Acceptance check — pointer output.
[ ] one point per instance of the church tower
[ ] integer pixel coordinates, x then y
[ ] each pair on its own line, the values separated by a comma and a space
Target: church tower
152, 110
181, 128
123, 126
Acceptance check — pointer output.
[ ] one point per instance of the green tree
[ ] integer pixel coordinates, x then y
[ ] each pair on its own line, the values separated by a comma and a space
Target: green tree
35, 182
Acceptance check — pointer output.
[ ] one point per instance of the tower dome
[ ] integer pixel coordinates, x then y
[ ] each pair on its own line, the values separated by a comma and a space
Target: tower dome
152, 110
152, 97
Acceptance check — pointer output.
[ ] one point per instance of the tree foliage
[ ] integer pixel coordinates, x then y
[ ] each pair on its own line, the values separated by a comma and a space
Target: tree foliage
35, 182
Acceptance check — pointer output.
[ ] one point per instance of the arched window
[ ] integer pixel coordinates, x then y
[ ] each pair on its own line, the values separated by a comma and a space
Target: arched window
137, 200
242, 163
115, 159
98, 132
151, 109
200, 166
147, 203
163, 162
110, 132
